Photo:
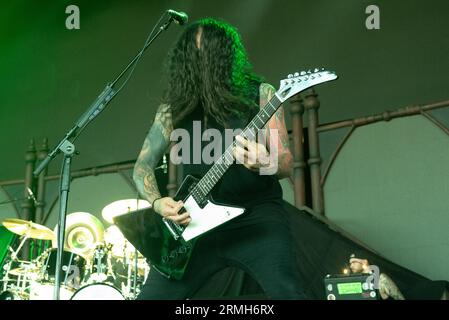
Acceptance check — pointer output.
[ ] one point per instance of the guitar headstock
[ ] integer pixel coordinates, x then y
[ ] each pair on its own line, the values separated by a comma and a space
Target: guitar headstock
300, 81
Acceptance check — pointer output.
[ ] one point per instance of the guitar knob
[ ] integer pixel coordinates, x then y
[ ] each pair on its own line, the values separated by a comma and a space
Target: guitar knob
316, 70
296, 74
309, 71
173, 255
303, 73
290, 76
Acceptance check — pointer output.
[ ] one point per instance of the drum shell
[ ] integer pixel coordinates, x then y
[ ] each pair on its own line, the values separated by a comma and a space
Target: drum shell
98, 291
10, 295
73, 268
45, 291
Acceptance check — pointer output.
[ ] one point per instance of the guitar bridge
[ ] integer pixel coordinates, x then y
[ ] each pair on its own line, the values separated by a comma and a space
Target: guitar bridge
175, 229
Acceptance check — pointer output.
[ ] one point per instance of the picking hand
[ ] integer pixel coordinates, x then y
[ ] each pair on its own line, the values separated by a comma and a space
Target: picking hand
169, 208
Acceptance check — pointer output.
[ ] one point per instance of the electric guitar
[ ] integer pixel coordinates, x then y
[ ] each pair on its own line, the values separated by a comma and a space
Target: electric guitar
167, 245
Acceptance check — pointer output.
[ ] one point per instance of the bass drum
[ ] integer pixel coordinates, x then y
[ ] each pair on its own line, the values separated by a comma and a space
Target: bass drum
73, 267
45, 291
10, 295
98, 291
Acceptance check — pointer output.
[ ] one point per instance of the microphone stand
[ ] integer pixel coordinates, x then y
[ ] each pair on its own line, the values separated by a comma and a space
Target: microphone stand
68, 148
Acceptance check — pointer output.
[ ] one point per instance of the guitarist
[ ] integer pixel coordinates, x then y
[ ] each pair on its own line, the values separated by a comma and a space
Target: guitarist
210, 82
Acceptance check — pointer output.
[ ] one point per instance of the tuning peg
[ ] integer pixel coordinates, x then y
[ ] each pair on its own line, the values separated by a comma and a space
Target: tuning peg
309, 71
303, 73
290, 76
316, 70
296, 74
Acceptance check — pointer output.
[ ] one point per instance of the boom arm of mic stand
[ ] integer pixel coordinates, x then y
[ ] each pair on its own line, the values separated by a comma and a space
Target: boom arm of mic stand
68, 149
95, 109
97, 106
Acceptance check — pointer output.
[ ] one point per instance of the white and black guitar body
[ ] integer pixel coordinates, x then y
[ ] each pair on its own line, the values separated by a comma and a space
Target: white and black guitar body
205, 213
168, 246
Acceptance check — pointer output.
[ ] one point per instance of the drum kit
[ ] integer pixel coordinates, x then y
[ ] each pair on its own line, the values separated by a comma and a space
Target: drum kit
97, 263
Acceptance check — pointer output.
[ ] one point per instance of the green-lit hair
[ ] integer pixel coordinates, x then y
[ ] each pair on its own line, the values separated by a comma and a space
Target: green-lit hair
218, 76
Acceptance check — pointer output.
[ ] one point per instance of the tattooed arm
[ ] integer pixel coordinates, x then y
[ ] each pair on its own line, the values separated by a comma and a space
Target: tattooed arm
281, 142
154, 147
387, 288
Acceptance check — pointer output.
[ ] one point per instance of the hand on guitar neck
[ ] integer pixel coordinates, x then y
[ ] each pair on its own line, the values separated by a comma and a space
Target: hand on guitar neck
251, 154
169, 209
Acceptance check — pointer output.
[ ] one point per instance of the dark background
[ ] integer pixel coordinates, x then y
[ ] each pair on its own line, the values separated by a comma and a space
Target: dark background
50, 75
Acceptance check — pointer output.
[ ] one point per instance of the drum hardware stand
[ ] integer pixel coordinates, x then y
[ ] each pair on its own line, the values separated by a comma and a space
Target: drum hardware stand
68, 148
67, 269
109, 262
14, 253
6, 269
136, 271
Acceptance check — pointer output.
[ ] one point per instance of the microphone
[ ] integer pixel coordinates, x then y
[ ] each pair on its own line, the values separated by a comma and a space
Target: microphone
179, 17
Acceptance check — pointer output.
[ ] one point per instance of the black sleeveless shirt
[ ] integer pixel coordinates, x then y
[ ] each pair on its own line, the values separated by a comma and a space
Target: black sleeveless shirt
239, 185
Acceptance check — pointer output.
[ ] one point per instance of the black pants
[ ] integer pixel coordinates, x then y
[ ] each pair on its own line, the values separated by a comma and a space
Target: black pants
258, 242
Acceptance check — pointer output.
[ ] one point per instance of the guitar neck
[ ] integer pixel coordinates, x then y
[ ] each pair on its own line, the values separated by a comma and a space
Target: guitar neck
214, 174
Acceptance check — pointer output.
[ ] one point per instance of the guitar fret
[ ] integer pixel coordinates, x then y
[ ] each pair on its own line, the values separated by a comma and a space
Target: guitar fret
222, 168
218, 169
257, 116
204, 182
228, 158
267, 114
215, 170
201, 188
250, 134
209, 184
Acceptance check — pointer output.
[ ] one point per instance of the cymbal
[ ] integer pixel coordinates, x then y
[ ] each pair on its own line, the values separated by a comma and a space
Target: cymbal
24, 271
120, 207
114, 236
26, 268
120, 246
29, 229
82, 233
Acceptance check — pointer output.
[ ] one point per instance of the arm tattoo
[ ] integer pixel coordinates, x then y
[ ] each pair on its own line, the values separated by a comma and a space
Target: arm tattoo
154, 147
285, 158
388, 288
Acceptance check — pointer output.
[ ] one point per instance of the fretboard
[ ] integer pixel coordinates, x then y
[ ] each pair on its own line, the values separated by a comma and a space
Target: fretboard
218, 169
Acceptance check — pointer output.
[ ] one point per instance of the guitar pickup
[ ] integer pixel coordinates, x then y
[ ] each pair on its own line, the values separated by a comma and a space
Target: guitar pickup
175, 230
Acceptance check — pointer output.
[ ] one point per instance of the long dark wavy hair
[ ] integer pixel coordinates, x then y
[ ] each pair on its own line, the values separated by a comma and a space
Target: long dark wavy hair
217, 77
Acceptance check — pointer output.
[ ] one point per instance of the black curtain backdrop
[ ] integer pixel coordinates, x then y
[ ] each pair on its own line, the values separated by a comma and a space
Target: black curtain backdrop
320, 251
